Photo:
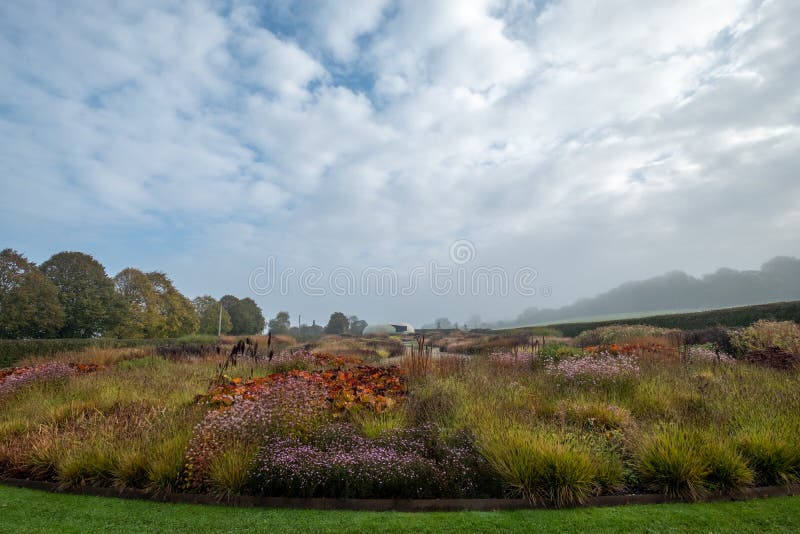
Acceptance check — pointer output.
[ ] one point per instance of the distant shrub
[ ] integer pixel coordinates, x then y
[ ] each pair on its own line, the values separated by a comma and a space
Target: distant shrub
761, 335
729, 317
774, 358
718, 338
186, 350
619, 333
707, 353
13, 350
385, 347
558, 351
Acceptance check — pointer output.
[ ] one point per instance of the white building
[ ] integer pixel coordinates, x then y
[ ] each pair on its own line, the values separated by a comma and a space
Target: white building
393, 328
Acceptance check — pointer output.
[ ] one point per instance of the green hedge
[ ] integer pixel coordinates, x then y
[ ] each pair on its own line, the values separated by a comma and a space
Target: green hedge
730, 317
12, 350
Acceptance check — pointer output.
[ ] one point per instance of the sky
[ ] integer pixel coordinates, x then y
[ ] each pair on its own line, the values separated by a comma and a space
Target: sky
343, 155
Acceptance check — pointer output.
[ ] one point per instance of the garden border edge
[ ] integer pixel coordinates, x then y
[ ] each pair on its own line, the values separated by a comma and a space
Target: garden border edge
382, 505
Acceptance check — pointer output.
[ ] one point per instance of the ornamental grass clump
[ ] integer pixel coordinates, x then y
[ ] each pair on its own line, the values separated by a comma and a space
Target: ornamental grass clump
728, 469
671, 461
547, 468
166, 467
230, 473
595, 415
774, 456
372, 424
687, 463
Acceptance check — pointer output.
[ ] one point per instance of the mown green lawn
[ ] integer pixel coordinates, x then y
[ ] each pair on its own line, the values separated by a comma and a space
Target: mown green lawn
23, 510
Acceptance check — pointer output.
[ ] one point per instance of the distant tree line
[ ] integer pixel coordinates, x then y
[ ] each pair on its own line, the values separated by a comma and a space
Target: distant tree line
777, 280
71, 296
338, 323
737, 317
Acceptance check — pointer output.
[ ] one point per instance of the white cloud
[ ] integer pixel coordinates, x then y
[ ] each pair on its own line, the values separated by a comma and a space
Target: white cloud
562, 134
342, 22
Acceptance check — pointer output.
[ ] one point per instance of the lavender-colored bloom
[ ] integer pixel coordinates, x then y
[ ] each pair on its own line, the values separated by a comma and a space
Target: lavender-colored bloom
520, 357
337, 462
702, 353
594, 369
18, 378
286, 407
294, 357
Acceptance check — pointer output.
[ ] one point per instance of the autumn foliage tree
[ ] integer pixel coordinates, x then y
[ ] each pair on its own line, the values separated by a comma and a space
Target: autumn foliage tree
177, 315
29, 305
86, 293
142, 319
70, 295
156, 309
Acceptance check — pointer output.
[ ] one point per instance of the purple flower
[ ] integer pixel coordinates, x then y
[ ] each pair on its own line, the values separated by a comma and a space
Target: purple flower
17, 378
594, 369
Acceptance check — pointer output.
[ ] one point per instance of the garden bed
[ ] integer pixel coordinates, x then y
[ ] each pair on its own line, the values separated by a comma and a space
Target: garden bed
632, 420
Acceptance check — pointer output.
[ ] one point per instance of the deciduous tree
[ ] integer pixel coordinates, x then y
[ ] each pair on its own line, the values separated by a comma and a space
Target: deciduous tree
142, 319
280, 324
208, 308
357, 325
177, 314
337, 324
85, 291
246, 315
29, 305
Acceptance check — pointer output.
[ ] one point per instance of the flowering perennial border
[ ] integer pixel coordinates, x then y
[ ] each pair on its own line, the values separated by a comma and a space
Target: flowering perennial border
14, 378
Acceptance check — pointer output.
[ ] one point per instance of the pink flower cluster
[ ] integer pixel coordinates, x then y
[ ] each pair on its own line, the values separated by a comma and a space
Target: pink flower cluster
294, 357
286, 407
294, 468
13, 379
521, 357
594, 369
337, 462
705, 354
